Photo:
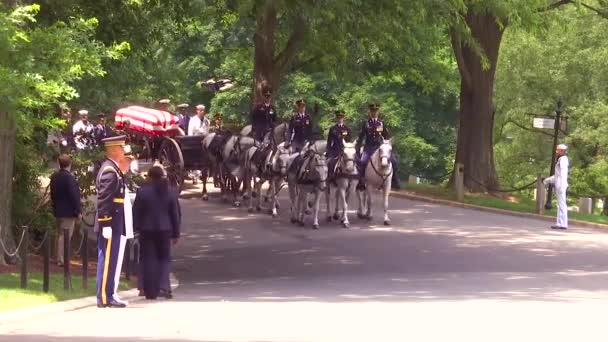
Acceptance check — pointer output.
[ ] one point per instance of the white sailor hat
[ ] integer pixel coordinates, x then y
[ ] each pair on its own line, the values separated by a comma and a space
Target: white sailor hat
562, 147
183, 105
200, 106
83, 112
164, 101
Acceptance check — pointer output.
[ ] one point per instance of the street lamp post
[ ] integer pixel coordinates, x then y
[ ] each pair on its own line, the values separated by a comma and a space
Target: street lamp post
556, 129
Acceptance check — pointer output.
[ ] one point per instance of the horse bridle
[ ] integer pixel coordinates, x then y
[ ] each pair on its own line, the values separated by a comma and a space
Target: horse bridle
384, 178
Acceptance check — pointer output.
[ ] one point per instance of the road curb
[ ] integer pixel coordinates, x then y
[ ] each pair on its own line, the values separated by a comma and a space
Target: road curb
9, 317
416, 197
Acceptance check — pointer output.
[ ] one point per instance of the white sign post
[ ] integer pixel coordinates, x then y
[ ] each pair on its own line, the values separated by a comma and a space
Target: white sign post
543, 123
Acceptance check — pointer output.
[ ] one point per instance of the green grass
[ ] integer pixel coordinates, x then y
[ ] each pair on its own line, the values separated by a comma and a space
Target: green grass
13, 297
524, 205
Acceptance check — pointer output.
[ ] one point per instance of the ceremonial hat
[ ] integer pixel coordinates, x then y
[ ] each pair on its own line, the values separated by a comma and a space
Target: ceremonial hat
101, 115
267, 92
300, 102
339, 113
118, 140
83, 112
562, 147
183, 105
164, 101
374, 106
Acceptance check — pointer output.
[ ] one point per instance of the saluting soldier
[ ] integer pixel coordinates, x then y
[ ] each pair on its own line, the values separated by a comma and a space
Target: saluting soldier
373, 133
338, 134
300, 127
114, 221
263, 117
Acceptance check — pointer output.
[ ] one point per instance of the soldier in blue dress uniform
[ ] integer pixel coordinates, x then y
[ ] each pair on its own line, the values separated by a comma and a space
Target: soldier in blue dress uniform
263, 117
300, 127
113, 221
372, 135
338, 134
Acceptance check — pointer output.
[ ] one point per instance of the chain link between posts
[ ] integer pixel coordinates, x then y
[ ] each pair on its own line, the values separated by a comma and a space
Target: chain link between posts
12, 254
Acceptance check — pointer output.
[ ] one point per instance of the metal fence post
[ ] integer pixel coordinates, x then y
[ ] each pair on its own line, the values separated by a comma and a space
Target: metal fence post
540, 196
459, 182
47, 260
24, 243
85, 256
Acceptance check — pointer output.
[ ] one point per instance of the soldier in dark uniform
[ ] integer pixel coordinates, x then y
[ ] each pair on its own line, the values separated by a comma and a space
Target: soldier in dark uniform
300, 128
184, 118
338, 134
373, 133
113, 221
263, 117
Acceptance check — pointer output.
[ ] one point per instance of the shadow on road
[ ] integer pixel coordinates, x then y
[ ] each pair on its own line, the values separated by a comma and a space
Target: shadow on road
431, 253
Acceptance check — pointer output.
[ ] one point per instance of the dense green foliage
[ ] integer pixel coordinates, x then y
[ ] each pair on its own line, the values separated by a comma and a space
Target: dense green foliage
104, 54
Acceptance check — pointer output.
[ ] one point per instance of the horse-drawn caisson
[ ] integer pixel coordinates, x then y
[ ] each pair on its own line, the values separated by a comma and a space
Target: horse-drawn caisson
241, 164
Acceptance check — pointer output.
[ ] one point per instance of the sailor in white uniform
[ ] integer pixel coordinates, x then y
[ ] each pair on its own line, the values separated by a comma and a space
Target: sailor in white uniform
560, 184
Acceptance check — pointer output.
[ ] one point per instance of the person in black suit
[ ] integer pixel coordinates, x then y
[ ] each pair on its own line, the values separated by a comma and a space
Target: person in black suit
65, 197
157, 218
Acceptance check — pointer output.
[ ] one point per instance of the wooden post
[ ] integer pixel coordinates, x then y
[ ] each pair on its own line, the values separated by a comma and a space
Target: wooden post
459, 182
540, 195
67, 281
585, 205
47, 261
23, 252
85, 256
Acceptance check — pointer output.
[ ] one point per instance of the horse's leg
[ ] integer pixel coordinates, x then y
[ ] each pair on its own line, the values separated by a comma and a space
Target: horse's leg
302, 196
236, 188
291, 186
249, 196
275, 184
385, 193
205, 174
343, 190
360, 197
368, 199
317, 204
337, 199
328, 202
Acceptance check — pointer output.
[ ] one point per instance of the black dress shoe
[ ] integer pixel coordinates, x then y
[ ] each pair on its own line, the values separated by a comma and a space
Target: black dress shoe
112, 304
166, 294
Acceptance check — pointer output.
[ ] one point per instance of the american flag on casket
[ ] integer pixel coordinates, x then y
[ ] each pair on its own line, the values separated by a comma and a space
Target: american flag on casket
146, 120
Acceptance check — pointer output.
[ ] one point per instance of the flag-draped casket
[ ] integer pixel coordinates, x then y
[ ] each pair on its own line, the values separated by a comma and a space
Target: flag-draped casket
146, 120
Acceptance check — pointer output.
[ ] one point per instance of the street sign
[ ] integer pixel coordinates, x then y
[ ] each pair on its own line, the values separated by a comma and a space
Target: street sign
543, 123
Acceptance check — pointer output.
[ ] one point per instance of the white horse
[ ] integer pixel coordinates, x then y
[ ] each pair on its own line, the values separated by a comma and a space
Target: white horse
279, 165
378, 173
310, 176
278, 133
230, 171
345, 176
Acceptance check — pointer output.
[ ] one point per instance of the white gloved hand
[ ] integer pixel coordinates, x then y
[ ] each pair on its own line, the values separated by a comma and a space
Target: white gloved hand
106, 232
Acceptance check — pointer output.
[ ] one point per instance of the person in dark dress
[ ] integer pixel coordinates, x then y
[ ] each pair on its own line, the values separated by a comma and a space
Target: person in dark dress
156, 216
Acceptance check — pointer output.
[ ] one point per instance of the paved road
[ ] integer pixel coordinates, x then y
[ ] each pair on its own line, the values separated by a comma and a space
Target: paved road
438, 274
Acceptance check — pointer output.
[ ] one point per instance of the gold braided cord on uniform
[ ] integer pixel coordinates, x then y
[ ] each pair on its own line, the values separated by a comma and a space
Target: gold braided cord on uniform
104, 219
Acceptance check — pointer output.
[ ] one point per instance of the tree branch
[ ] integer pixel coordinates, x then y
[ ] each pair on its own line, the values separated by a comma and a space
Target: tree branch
529, 129
304, 63
601, 12
462, 65
289, 52
555, 5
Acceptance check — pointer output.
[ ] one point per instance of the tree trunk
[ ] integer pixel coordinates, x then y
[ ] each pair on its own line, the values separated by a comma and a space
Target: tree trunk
268, 67
7, 154
475, 149
605, 207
